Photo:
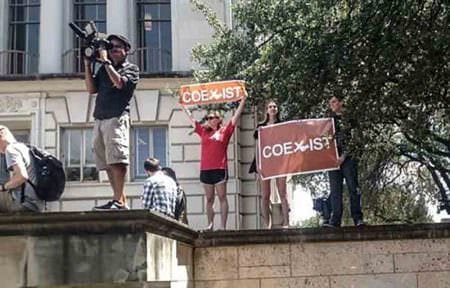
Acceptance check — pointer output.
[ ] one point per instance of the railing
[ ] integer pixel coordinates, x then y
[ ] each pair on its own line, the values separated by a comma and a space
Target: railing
18, 62
72, 61
152, 60
149, 60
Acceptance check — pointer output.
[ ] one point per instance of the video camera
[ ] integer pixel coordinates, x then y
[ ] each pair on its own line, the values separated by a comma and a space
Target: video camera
92, 40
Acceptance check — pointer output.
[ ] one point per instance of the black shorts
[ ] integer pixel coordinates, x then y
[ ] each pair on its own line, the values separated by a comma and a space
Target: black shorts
213, 177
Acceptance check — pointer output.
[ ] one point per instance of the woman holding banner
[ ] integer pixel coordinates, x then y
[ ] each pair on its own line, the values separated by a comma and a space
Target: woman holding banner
272, 117
215, 136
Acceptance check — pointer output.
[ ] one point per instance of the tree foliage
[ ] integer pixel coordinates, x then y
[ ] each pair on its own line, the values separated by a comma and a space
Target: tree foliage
390, 59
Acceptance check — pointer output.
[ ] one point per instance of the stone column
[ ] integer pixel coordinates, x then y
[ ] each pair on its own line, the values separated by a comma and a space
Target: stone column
189, 27
51, 39
3, 34
4, 25
120, 17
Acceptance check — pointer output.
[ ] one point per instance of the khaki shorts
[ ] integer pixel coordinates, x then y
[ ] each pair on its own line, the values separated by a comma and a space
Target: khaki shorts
111, 141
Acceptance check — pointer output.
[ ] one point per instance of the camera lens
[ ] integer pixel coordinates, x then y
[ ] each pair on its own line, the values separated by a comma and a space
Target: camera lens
89, 51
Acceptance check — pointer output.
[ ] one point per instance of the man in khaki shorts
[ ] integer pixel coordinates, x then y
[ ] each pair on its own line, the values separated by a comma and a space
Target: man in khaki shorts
114, 84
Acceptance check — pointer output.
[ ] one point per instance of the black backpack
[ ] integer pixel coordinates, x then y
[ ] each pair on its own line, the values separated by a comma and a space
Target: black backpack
50, 176
180, 205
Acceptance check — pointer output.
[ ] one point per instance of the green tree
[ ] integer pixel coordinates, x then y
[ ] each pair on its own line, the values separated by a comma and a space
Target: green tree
390, 59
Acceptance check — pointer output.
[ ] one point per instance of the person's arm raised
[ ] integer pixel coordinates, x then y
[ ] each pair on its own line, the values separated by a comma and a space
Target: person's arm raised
115, 77
189, 114
238, 112
88, 80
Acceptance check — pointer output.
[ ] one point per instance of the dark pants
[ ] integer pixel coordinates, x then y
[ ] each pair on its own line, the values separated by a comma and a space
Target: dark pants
349, 172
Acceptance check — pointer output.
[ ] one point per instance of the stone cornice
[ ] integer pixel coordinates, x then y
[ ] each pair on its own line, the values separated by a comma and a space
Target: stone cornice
110, 222
69, 76
305, 235
142, 221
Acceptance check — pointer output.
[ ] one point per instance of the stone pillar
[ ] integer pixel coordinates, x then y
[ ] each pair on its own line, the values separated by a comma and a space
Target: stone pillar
3, 34
51, 36
189, 27
228, 13
4, 25
120, 17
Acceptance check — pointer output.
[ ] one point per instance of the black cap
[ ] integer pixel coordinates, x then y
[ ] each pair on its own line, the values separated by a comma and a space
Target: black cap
121, 38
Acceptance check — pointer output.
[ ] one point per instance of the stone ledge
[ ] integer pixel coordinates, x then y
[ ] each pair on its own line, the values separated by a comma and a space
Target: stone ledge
95, 222
155, 284
305, 235
141, 221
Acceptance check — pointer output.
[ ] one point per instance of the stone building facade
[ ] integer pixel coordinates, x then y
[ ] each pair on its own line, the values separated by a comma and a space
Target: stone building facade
44, 101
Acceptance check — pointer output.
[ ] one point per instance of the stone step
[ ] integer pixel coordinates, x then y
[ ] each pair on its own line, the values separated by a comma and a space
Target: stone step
152, 284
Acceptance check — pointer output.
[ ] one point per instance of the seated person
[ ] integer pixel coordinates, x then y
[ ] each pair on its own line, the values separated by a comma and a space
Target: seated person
160, 191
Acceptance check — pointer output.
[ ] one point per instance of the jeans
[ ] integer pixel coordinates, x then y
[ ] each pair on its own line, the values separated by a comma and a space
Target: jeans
349, 172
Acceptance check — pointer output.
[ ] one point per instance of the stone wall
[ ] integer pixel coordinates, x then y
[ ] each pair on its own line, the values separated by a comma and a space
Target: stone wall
87, 249
375, 264
143, 249
320, 258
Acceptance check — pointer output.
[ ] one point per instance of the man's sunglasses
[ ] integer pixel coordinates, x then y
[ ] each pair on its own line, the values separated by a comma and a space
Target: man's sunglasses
116, 46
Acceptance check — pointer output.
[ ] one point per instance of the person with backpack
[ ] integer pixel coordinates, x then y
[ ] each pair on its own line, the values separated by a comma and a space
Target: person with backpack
17, 194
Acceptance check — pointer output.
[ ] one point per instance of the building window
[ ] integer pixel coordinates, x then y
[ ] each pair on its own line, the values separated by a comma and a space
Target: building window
22, 56
21, 136
83, 12
77, 154
154, 52
148, 142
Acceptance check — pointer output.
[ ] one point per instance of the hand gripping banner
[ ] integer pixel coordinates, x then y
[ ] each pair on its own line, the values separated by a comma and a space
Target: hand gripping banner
212, 92
297, 147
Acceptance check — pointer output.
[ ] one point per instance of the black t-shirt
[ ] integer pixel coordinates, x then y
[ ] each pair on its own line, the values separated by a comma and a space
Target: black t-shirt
343, 134
111, 101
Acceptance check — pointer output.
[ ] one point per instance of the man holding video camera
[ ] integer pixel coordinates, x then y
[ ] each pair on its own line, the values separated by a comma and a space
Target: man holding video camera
114, 84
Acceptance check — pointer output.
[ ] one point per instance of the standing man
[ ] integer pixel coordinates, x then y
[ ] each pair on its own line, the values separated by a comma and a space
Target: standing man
17, 194
348, 171
114, 84
160, 190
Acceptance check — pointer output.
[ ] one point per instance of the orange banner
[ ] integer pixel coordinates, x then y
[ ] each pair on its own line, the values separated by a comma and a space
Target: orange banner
297, 147
213, 92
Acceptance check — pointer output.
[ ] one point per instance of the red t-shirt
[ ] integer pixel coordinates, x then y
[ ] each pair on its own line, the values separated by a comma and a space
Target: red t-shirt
214, 146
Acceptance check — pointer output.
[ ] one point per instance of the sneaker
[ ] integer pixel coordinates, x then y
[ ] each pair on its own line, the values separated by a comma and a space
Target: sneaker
323, 221
111, 205
329, 225
360, 223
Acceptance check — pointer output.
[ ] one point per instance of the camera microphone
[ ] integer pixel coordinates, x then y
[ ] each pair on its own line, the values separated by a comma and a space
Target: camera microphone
80, 33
